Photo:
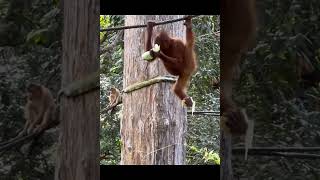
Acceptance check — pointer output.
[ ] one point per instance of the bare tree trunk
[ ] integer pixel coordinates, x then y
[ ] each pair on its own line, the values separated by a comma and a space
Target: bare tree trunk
154, 122
78, 154
226, 155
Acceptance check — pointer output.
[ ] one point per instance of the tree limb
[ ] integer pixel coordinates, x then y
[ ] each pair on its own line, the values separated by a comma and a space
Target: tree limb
276, 149
214, 113
144, 25
110, 107
140, 85
81, 86
20, 140
149, 82
283, 154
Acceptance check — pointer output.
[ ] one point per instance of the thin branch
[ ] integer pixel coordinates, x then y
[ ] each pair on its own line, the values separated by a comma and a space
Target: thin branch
214, 113
283, 154
110, 107
209, 34
297, 155
9, 141
149, 82
217, 33
159, 149
144, 25
19, 140
277, 149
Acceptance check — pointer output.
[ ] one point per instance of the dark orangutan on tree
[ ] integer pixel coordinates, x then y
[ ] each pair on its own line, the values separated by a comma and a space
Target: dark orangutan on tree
178, 57
39, 109
238, 24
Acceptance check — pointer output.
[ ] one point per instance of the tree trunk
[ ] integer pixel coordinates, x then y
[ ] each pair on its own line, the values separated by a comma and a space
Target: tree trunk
78, 154
226, 155
154, 122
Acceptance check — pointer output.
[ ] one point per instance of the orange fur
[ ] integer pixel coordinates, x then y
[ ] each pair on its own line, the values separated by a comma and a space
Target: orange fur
238, 23
178, 57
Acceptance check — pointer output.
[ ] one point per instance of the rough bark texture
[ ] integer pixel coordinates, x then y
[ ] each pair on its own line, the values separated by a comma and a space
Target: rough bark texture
154, 122
226, 155
78, 154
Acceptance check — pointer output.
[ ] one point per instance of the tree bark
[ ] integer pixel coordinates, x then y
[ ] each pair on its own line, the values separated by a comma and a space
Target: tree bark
154, 122
226, 172
78, 154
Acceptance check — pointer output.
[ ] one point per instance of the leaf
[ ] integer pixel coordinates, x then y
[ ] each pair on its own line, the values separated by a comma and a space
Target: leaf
194, 149
38, 36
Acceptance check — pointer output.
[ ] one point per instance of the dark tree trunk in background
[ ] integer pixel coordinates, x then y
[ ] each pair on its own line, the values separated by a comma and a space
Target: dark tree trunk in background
226, 155
78, 154
153, 126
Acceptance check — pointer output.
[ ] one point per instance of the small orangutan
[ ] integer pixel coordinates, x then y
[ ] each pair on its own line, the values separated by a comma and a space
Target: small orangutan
178, 57
114, 98
39, 109
238, 24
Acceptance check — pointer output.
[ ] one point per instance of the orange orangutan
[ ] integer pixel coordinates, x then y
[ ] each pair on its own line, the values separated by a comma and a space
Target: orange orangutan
178, 57
238, 24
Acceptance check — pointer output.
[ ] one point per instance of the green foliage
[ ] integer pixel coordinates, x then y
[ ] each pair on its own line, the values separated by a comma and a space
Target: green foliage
202, 156
111, 66
285, 114
104, 23
28, 53
204, 131
38, 36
